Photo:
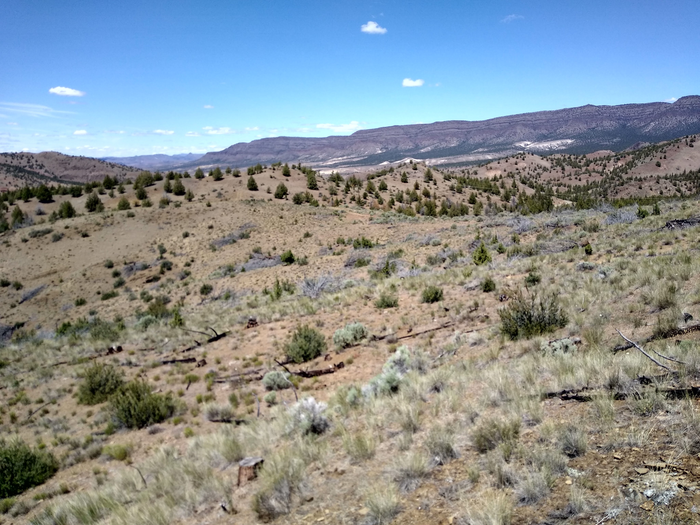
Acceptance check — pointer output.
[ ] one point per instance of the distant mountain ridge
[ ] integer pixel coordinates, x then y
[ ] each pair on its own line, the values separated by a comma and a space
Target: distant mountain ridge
575, 130
156, 162
22, 168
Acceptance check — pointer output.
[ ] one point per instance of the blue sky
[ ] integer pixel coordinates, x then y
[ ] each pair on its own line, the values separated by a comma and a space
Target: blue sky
139, 77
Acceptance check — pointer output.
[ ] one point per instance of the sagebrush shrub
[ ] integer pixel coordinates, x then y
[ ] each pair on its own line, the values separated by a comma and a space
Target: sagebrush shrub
22, 468
350, 335
306, 344
307, 417
135, 405
529, 316
99, 382
276, 380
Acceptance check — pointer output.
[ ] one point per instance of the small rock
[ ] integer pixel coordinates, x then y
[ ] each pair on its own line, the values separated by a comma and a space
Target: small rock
641, 471
364, 512
617, 456
647, 505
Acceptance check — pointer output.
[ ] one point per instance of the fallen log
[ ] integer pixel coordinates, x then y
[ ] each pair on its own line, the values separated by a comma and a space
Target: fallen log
314, 373
674, 332
173, 361
680, 224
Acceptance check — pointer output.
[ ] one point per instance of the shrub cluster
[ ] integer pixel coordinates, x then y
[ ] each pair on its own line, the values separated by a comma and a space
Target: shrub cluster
526, 317
276, 380
431, 294
134, 405
99, 382
306, 344
23, 468
352, 334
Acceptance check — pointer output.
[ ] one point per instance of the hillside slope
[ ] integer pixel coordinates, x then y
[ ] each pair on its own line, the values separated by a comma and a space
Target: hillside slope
575, 130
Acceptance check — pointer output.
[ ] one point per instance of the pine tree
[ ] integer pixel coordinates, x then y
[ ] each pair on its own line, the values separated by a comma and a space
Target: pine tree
481, 255
252, 185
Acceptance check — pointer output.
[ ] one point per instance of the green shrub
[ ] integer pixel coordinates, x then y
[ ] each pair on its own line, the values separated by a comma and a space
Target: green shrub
99, 382
288, 257
588, 249
205, 289
281, 192
532, 279
488, 285
481, 255
134, 405
352, 334
432, 294
66, 210
306, 344
252, 185
23, 468
386, 301
492, 432
123, 204
117, 452
531, 316
93, 203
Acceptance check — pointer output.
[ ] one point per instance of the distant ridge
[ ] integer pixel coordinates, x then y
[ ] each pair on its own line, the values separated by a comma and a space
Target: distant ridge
575, 130
157, 161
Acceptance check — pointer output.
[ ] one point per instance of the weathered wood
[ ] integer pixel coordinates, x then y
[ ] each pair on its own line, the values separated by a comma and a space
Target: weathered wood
675, 332
643, 352
184, 360
680, 224
248, 469
314, 373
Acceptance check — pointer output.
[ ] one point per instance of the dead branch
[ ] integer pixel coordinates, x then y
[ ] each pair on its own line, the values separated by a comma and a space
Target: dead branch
37, 410
643, 352
185, 360
663, 335
314, 373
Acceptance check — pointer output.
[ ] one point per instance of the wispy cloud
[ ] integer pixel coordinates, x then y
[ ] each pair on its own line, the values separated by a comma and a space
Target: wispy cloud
31, 110
254, 128
218, 131
372, 28
114, 132
208, 106
511, 18
80, 132
191, 134
66, 92
407, 82
672, 100
341, 128
12, 124
163, 131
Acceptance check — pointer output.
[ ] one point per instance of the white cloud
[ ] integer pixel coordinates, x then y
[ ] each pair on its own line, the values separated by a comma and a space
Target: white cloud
208, 106
163, 132
511, 18
15, 123
66, 92
254, 128
191, 134
407, 82
373, 28
80, 132
341, 128
218, 131
114, 132
31, 110
671, 100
